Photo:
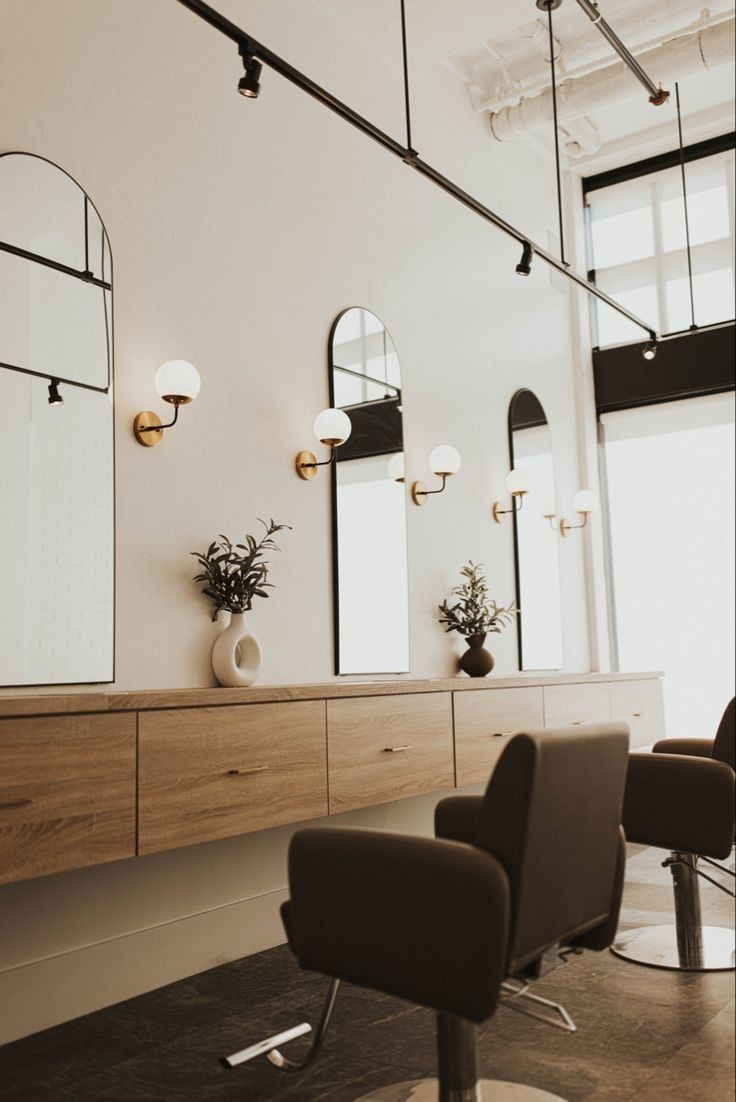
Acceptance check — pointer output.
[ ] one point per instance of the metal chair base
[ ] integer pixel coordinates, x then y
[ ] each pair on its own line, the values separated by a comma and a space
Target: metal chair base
658, 947
488, 1090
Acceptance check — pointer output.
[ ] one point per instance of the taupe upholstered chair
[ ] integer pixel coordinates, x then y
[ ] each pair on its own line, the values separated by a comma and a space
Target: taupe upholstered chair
446, 923
681, 798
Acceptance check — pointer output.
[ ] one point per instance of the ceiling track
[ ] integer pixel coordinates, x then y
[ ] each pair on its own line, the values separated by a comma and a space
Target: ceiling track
406, 154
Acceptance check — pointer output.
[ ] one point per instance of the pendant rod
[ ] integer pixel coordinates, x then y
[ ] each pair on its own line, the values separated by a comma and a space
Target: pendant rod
557, 134
409, 156
693, 324
405, 53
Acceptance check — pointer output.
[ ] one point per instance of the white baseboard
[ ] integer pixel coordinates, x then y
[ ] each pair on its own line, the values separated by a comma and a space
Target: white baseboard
58, 988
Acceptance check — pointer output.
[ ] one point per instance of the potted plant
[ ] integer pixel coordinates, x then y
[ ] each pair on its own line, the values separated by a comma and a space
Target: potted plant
234, 575
474, 615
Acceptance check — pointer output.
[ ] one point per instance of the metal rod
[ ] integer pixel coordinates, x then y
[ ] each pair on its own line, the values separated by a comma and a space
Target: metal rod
159, 428
47, 262
367, 378
404, 50
273, 61
557, 133
87, 272
59, 379
684, 205
657, 95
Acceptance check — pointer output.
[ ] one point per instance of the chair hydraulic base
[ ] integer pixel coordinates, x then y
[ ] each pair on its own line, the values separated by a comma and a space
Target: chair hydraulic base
486, 1090
687, 946
660, 947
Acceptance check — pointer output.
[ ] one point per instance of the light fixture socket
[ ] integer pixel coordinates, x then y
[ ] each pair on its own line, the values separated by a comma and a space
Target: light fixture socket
55, 398
524, 267
249, 85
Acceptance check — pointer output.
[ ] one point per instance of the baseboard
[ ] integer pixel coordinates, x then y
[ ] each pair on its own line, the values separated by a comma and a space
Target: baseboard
59, 988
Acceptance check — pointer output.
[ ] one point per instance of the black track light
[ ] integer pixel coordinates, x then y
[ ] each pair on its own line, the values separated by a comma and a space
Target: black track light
524, 267
55, 398
249, 85
649, 351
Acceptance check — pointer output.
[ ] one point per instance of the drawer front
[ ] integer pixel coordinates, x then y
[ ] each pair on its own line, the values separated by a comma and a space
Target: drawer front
67, 793
640, 704
388, 748
573, 705
484, 723
208, 773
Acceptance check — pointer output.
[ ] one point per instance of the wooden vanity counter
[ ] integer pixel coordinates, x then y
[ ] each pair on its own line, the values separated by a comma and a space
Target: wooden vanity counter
98, 776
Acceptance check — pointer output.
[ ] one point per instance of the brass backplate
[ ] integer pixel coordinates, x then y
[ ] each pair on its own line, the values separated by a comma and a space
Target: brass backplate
419, 493
305, 464
148, 419
497, 512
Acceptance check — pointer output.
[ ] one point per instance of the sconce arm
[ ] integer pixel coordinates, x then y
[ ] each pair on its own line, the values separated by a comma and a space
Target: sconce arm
497, 512
566, 527
159, 428
325, 462
428, 493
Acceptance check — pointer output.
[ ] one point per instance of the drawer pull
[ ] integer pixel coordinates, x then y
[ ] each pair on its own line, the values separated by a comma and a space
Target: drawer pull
247, 772
636, 714
501, 734
397, 749
23, 802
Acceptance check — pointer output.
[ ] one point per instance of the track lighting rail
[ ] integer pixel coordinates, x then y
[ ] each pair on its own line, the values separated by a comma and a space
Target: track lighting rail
408, 156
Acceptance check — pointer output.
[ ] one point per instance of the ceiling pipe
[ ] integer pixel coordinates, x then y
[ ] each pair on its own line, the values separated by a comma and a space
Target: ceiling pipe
690, 53
657, 95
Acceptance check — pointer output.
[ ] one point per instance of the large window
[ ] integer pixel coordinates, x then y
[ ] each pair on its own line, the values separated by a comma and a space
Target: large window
638, 248
670, 479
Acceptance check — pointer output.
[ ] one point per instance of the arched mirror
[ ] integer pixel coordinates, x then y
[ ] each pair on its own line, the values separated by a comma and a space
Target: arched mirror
56, 430
535, 543
369, 501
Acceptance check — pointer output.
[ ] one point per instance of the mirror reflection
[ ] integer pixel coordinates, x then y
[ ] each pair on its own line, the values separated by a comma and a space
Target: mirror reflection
535, 543
55, 275
56, 431
369, 502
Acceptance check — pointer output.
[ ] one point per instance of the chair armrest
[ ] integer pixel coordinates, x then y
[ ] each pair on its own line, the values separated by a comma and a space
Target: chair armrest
423, 919
680, 803
455, 818
689, 747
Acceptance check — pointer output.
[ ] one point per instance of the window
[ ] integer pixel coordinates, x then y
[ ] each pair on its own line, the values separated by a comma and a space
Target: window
638, 248
670, 490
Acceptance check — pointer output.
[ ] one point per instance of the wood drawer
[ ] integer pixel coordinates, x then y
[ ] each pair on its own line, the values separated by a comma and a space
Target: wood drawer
640, 704
572, 705
207, 773
484, 722
67, 793
388, 748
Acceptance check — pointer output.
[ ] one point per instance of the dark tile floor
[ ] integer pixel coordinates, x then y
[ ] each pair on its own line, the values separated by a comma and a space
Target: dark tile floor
643, 1034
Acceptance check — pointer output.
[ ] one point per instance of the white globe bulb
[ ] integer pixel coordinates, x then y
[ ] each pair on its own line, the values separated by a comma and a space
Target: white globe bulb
445, 460
332, 426
585, 501
177, 379
517, 481
396, 467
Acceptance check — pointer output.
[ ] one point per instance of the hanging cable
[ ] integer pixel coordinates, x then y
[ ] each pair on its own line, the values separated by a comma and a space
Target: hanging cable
693, 324
407, 104
549, 5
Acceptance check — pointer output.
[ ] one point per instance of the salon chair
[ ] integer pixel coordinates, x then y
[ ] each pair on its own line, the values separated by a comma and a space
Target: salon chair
456, 925
681, 798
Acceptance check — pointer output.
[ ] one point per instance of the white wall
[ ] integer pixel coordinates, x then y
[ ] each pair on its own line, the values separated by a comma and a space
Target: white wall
239, 230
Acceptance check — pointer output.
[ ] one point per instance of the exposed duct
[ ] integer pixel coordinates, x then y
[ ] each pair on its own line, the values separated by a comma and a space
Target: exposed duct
690, 53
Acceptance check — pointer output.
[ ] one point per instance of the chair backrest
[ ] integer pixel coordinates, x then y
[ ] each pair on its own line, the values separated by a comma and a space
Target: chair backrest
551, 815
724, 744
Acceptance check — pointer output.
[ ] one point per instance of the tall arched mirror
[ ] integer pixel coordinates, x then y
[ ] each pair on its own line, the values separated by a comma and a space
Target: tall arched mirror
535, 543
369, 501
57, 508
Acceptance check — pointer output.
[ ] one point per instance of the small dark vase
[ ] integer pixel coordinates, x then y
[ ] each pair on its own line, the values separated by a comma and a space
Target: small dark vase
477, 661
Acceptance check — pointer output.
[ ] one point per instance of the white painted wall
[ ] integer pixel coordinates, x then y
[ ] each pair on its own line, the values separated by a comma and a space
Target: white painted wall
239, 230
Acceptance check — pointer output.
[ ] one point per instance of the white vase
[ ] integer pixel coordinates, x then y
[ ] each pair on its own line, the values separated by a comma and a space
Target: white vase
236, 655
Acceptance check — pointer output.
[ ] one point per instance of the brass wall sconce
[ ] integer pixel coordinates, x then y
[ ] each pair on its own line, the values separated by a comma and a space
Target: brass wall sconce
584, 503
444, 461
177, 382
517, 486
331, 427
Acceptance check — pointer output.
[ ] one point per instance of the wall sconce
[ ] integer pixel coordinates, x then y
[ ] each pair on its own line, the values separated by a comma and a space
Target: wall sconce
396, 467
331, 427
444, 461
585, 502
517, 485
178, 383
